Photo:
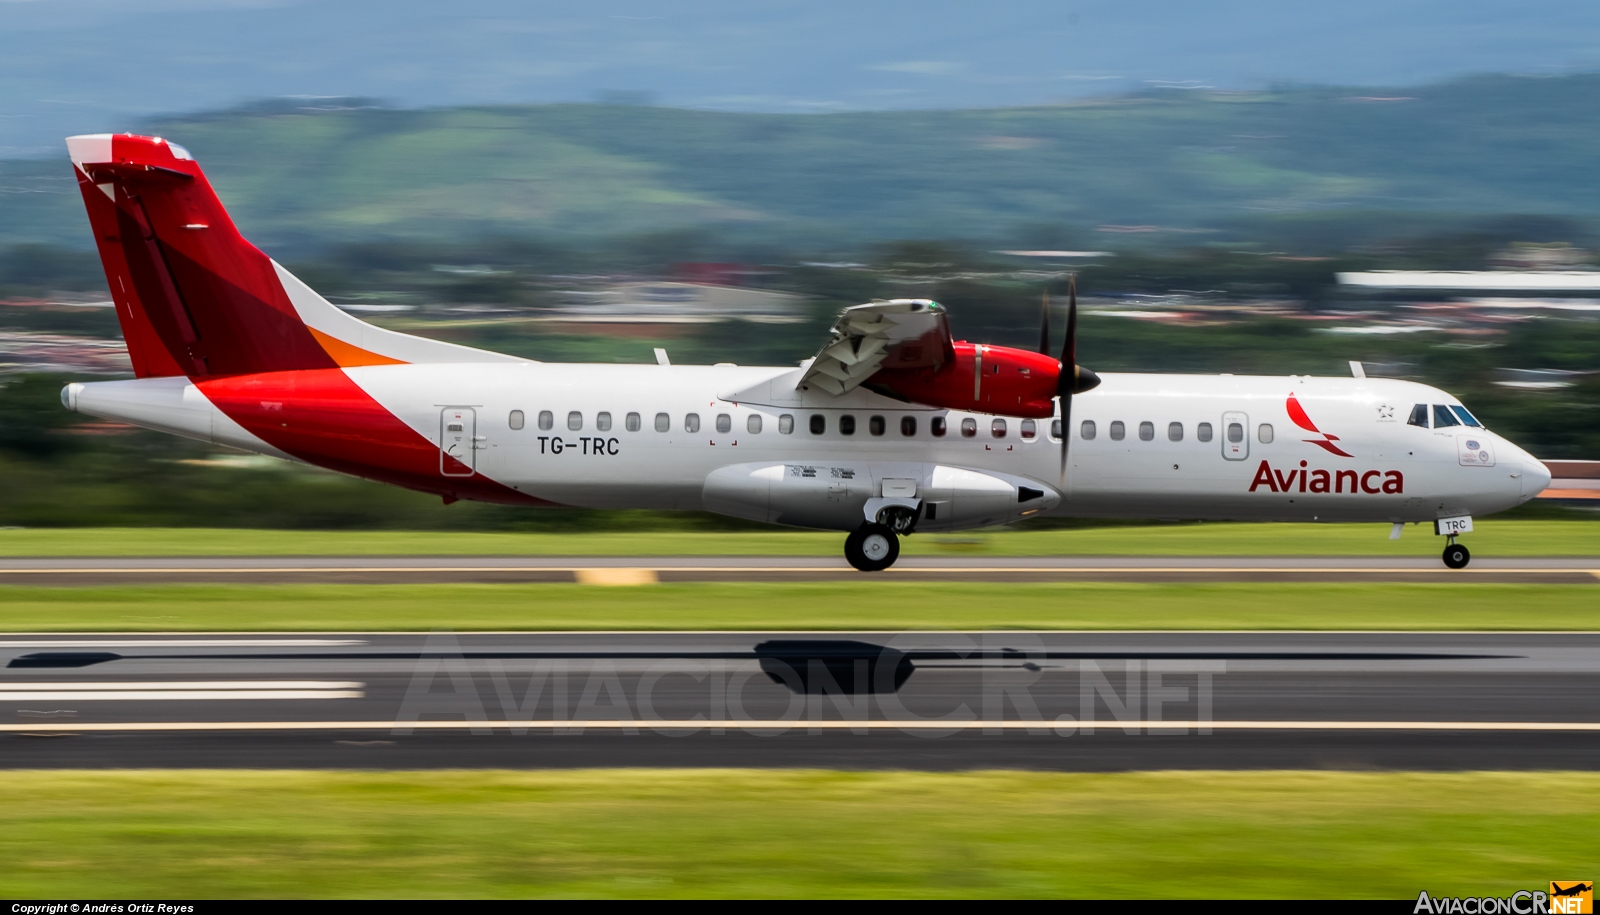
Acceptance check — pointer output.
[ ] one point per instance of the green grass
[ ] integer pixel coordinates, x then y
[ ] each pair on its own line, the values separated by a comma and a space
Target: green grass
1492, 538
688, 833
867, 604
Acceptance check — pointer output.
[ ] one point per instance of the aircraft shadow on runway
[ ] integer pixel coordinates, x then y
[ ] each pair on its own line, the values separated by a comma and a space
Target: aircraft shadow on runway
834, 665
801, 665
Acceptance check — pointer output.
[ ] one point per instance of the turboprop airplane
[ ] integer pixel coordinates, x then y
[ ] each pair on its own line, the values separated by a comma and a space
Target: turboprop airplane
893, 427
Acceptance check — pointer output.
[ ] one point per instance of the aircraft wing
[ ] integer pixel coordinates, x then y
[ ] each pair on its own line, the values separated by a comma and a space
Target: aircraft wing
900, 333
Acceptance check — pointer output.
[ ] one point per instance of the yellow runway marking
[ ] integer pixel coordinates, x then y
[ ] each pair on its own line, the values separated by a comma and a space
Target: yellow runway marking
615, 576
781, 724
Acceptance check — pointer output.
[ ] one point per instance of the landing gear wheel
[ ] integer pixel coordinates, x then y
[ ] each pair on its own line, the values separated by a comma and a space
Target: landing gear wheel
872, 548
1457, 556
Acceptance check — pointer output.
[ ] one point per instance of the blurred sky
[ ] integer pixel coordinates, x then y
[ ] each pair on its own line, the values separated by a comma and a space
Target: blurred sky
69, 66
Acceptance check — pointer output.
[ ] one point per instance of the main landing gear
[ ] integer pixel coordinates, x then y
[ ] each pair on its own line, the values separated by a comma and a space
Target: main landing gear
1456, 555
872, 547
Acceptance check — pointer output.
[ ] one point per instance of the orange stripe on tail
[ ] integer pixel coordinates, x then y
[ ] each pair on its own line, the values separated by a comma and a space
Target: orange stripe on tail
348, 355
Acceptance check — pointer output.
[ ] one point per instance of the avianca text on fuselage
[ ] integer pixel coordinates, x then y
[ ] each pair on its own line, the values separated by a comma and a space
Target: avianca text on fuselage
1306, 479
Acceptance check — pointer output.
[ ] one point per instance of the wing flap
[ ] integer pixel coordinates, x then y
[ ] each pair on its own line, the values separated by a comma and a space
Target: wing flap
904, 333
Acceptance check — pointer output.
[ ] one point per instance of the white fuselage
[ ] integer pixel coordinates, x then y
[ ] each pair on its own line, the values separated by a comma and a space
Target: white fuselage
1394, 471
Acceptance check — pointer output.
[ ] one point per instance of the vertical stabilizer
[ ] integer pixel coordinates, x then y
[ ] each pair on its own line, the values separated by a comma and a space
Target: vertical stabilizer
194, 297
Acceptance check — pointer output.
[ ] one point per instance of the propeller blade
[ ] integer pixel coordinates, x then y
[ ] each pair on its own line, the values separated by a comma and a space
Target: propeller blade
1044, 325
1066, 376
1066, 429
1069, 346
1073, 378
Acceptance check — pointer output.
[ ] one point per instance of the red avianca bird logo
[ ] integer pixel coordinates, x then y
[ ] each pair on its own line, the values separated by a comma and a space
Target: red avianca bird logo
1298, 414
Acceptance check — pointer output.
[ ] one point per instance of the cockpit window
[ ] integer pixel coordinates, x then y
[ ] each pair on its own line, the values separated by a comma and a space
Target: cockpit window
1443, 417
1419, 416
1466, 418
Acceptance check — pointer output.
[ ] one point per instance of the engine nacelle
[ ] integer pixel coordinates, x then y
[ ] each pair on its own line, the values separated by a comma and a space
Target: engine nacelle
840, 495
981, 378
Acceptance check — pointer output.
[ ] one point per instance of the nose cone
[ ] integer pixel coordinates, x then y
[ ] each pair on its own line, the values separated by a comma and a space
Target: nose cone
1535, 477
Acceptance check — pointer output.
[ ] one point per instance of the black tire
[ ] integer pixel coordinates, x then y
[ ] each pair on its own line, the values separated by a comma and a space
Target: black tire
872, 548
1457, 556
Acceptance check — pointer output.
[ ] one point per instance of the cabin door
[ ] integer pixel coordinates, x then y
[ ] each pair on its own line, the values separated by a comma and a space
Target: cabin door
458, 439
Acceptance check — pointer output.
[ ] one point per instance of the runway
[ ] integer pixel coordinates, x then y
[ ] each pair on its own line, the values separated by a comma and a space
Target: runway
921, 700
664, 569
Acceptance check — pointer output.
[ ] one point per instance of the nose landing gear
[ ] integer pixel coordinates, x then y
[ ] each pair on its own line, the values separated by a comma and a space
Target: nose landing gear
872, 547
1456, 555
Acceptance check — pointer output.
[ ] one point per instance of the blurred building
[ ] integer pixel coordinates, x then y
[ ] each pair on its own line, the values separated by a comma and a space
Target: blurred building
1475, 302
1432, 284
667, 302
1573, 481
1532, 256
28, 351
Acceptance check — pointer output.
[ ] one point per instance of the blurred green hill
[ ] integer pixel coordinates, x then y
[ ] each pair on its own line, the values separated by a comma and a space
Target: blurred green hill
1293, 167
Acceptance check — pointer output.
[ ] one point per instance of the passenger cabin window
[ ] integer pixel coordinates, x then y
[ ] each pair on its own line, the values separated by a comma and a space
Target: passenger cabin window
724, 422
1419, 416
847, 425
753, 424
1118, 430
969, 427
1264, 432
1174, 432
1467, 419
908, 425
786, 424
575, 420
1235, 432
1055, 429
547, 420
602, 421
998, 428
632, 422
1086, 430
819, 424
516, 419
691, 422
876, 425
936, 425
1443, 417
663, 422
1147, 432
1030, 429
1203, 432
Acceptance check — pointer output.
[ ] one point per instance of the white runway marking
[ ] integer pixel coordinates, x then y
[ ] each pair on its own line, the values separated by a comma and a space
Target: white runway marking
177, 643
792, 724
135, 690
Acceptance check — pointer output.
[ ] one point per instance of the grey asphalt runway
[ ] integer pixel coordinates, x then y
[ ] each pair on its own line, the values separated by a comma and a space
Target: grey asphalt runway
644, 569
921, 700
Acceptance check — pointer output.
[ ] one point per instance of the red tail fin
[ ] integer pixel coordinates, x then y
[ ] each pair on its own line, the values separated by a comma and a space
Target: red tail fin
193, 296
